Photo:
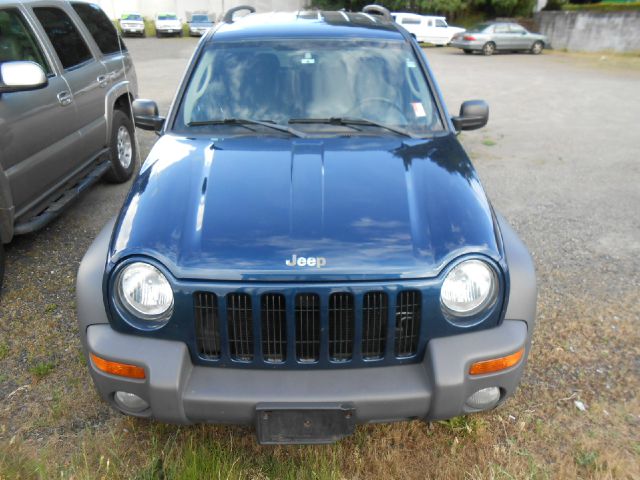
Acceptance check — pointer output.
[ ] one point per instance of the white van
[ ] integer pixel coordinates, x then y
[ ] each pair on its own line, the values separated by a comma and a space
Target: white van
427, 29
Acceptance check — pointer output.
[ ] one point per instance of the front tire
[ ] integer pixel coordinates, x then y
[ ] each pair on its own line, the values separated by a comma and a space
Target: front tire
2, 261
122, 148
537, 47
489, 49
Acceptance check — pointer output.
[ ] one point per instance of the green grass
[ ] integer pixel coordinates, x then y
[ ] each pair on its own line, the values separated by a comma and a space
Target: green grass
587, 459
4, 351
602, 7
488, 142
50, 308
42, 369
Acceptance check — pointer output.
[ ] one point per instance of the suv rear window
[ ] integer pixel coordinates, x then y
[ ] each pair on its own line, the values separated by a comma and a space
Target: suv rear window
100, 27
64, 36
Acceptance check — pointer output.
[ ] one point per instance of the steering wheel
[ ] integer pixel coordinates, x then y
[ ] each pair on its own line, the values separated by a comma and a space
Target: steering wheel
367, 100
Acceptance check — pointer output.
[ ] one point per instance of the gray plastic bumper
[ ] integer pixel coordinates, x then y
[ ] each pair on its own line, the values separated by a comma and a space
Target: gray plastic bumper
180, 392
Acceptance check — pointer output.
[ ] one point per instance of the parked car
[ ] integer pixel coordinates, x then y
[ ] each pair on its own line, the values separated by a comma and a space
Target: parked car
168, 24
302, 257
492, 37
66, 83
132, 24
199, 25
427, 29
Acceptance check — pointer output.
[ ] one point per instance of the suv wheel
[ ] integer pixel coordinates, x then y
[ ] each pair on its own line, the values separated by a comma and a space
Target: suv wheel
122, 148
489, 48
2, 257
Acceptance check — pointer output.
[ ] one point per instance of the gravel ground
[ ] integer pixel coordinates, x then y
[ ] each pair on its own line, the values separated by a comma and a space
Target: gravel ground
559, 161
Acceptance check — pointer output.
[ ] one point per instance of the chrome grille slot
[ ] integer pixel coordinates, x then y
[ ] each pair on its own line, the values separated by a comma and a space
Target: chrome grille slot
274, 327
341, 326
407, 323
375, 309
207, 325
307, 327
240, 326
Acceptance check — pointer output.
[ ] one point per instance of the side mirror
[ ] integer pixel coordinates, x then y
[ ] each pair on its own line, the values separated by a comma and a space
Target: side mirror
145, 115
21, 76
474, 114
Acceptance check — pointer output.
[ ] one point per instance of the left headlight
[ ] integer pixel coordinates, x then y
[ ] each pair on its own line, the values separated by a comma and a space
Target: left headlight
469, 288
145, 292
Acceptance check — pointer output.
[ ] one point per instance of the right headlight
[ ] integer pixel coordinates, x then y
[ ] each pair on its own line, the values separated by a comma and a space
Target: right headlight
469, 288
145, 292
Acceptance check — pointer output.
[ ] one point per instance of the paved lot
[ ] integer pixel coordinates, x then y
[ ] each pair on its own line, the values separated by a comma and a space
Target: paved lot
559, 159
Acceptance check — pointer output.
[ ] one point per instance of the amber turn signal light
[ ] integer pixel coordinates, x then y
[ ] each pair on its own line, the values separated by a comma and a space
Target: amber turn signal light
117, 368
496, 364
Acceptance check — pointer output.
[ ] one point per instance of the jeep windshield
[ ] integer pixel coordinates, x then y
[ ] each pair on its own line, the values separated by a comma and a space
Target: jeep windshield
321, 86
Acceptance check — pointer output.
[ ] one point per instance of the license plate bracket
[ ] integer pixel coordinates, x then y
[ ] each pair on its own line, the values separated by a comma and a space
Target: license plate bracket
303, 423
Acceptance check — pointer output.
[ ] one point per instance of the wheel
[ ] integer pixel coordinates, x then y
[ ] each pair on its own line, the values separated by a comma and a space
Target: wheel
489, 48
2, 257
122, 148
467, 51
181, 34
537, 48
157, 34
143, 34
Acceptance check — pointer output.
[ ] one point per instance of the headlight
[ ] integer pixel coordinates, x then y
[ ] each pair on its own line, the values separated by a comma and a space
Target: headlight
468, 289
145, 291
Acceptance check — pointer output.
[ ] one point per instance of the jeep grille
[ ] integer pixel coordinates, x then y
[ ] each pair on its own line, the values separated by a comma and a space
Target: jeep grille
331, 328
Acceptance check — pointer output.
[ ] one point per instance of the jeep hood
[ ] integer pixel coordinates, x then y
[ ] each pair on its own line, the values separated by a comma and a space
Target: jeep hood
239, 208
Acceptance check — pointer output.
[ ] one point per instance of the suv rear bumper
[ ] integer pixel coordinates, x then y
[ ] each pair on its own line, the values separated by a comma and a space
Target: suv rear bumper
180, 392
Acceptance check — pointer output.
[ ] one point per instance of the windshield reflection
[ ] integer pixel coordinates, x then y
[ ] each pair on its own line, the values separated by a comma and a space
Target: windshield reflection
275, 81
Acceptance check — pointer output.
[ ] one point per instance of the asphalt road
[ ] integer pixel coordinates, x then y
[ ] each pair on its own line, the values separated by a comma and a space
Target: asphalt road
559, 159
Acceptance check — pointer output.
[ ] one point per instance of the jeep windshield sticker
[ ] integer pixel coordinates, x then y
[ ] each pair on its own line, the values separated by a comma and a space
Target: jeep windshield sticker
296, 261
411, 63
418, 109
307, 58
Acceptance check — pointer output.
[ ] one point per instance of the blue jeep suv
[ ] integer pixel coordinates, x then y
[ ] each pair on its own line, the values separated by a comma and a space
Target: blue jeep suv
307, 246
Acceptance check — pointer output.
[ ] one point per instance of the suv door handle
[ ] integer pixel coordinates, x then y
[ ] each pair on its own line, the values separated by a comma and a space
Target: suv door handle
65, 98
102, 80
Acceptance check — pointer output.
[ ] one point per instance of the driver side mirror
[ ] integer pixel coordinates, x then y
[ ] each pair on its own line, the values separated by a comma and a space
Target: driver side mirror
474, 114
145, 115
21, 76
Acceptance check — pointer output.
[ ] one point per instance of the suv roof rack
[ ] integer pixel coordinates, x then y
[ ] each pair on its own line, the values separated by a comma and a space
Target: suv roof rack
228, 16
378, 10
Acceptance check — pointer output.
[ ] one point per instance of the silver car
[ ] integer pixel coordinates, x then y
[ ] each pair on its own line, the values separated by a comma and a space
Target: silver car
499, 36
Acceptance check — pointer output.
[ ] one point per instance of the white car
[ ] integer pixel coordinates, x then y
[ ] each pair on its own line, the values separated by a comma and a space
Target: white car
132, 24
427, 29
168, 24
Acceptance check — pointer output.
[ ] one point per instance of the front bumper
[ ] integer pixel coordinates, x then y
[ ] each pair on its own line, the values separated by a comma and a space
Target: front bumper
180, 392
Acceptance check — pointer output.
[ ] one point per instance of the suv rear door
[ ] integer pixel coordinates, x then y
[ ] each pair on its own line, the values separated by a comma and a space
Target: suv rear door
86, 76
37, 133
113, 51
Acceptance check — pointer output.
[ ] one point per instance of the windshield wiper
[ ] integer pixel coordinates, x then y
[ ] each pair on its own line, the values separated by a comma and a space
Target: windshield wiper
245, 121
354, 121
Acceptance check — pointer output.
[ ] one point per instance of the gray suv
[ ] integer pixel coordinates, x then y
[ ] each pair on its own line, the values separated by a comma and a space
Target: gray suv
66, 86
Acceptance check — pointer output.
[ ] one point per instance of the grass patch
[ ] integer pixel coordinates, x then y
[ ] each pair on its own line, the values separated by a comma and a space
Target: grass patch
42, 369
602, 7
464, 425
489, 143
50, 308
4, 351
587, 459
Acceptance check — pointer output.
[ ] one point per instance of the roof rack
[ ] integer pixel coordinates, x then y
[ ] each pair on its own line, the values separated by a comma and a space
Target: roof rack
228, 16
378, 10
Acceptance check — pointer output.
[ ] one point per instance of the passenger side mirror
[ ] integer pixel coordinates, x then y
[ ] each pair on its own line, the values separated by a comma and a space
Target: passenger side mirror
474, 114
145, 115
21, 76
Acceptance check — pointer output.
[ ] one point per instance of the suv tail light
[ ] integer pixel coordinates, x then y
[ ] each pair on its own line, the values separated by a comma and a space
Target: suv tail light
469, 38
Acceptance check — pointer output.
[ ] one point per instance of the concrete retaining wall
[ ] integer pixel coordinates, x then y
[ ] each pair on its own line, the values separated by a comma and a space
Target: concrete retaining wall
591, 31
